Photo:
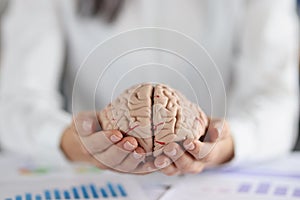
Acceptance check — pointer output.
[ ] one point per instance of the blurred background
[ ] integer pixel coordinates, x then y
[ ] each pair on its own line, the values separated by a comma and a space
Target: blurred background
297, 146
4, 4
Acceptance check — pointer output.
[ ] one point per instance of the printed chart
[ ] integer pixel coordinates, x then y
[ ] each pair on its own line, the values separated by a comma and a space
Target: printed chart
80, 192
267, 188
220, 186
73, 188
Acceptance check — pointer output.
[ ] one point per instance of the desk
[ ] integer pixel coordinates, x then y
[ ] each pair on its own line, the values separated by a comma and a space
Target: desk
277, 179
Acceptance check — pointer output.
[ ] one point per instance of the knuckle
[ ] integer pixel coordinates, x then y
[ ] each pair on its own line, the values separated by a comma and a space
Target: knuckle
184, 166
196, 154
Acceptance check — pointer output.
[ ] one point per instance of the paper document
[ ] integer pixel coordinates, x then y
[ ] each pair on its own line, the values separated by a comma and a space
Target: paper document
96, 187
234, 186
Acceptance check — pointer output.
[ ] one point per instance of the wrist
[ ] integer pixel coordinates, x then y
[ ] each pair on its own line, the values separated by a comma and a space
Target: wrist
71, 146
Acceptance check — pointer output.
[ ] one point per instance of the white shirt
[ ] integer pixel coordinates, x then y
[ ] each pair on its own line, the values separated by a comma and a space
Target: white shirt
253, 43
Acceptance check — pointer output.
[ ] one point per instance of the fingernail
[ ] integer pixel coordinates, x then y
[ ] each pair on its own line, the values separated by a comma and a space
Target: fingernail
163, 165
114, 138
128, 146
189, 146
87, 125
171, 153
136, 155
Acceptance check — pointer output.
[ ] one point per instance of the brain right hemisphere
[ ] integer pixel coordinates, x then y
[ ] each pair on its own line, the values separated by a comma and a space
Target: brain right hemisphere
154, 114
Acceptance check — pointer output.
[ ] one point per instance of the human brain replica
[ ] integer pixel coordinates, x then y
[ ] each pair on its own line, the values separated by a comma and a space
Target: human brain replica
155, 115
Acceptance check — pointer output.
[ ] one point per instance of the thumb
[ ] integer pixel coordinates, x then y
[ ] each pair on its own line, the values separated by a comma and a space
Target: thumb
214, 134
86, 123
214, 131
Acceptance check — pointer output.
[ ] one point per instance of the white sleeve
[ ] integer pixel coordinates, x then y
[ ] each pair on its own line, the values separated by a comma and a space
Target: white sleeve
263, 110
31, 115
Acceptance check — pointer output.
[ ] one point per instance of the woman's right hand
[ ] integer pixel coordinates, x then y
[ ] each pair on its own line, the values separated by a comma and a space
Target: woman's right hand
82, 141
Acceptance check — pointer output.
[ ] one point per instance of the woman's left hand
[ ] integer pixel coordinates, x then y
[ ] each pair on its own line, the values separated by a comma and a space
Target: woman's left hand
195, 155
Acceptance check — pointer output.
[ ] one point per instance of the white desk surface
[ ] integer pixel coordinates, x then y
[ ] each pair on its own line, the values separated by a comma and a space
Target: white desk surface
276, 176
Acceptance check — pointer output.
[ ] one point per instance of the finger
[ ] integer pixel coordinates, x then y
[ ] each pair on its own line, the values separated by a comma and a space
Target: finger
203, 149
194, 148
171, 170
166, 166
182, 160
218, 128
173, 151
100, 141
213, 133
162, 161
145, 168
86, 123
220, 150
211, 153
200, 149
131, 162
115, 154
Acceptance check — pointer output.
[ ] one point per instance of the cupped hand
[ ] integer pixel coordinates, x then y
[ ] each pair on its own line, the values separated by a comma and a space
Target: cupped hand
192, 156
82, 141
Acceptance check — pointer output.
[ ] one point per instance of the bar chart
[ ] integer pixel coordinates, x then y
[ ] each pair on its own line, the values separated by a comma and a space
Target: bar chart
91, 191
75, 187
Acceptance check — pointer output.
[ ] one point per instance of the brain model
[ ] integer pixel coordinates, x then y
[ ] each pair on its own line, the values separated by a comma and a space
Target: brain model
155, 115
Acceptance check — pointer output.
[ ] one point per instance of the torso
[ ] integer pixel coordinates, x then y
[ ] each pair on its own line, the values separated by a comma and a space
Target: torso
210, 23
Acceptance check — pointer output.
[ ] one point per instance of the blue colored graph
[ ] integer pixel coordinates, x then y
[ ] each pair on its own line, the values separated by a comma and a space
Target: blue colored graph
91, 191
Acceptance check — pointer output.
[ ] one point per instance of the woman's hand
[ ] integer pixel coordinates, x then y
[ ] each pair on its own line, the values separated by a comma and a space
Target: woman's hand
195, 155
83, 141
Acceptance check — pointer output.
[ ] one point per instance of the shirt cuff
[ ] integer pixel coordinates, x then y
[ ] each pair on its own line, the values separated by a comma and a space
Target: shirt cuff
243, 134
49, 140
